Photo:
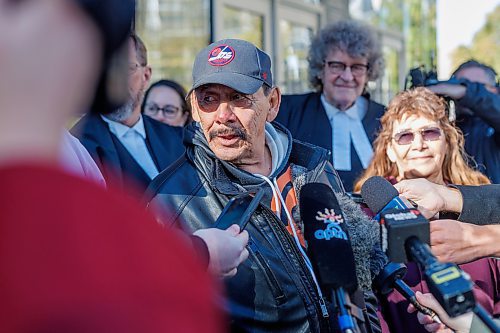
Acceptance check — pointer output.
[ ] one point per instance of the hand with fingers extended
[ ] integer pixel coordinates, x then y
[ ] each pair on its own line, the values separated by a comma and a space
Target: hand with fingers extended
460, 324
430, 197
452, 90
227, 249
458, 242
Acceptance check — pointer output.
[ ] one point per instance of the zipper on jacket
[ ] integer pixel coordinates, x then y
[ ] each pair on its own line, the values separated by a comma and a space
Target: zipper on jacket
321, 302
276, 290
324, 308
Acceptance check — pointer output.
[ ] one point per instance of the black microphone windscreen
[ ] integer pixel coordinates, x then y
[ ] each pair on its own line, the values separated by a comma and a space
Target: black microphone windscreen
327, 238
377, 193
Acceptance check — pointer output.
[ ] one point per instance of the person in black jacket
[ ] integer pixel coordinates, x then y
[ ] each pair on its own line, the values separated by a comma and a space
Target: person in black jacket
130, 148
339, 115
478, 113
233, 148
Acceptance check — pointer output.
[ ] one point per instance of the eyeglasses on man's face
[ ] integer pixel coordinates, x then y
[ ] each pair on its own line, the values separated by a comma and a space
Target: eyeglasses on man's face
167, 111
337, 67
427, 134
209, 101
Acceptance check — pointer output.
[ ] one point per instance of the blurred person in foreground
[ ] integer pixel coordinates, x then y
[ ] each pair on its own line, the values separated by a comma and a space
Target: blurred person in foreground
75, 257
479, 208
130, 148
165, 101
232, 148
339, 115
476, 95
418, 141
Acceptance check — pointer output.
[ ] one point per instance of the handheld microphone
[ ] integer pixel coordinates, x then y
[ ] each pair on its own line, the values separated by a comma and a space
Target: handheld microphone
405, 235
391, 277
379, 197
329, 247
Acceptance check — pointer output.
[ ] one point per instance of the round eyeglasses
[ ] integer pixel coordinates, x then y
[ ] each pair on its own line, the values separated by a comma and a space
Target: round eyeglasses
167, 111
337, 67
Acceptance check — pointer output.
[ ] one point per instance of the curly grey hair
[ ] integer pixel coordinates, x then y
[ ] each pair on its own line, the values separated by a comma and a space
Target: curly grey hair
352, 37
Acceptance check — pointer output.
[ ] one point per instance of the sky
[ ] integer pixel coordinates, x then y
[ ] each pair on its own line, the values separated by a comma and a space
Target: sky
457, 22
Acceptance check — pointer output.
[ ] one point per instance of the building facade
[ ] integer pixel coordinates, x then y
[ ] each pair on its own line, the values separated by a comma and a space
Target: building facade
175, 30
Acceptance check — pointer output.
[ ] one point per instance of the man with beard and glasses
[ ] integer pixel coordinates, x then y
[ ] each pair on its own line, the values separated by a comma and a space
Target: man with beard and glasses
233, 148
130, 148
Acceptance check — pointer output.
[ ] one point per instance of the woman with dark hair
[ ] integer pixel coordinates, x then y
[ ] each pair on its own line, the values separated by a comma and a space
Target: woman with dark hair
339, 115
165, 101
417, 140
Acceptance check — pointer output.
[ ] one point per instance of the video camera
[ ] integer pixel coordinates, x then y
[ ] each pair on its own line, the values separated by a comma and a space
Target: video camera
419, 77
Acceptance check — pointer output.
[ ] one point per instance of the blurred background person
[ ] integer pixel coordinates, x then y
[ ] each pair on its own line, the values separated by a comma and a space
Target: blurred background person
130, 148
478, 113
339, 115
418, 141
165, 101
75, 257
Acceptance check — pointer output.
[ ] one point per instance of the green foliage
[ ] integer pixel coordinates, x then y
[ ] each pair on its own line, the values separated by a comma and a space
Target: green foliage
485, 45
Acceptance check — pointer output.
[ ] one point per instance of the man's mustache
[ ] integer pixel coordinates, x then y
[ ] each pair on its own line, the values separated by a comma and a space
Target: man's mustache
228, 131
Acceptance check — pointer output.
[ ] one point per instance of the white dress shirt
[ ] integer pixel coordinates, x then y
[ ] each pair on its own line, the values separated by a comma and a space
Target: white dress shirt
347, 127
134, 140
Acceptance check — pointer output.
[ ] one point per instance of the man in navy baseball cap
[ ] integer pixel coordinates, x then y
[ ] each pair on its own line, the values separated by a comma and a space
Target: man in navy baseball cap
234, 149
233, 77
234, 63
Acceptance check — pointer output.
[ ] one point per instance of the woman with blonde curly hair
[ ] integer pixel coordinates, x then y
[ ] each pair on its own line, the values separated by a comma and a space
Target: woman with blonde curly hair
417, 140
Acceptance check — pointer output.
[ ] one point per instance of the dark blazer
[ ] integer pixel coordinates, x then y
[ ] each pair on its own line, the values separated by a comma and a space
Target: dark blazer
481, 204
305, 117
119, 168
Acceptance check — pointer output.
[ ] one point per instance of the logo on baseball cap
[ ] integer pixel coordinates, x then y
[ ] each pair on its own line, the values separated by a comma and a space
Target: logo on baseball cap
234, 63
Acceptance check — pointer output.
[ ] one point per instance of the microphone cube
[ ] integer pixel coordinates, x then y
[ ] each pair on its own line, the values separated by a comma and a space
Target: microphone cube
397, 226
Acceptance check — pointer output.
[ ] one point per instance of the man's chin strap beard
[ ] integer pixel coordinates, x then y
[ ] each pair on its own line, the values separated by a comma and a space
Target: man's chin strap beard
122, 113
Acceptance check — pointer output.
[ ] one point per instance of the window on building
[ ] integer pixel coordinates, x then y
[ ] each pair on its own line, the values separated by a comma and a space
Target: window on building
174, 31
294, 43
243, 25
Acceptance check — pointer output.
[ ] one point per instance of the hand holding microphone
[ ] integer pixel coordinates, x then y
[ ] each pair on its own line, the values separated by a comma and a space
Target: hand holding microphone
390, 278
431, 198
405, 236
460, 324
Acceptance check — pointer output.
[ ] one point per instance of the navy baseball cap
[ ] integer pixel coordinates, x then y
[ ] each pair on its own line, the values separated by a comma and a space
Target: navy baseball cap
234, 63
